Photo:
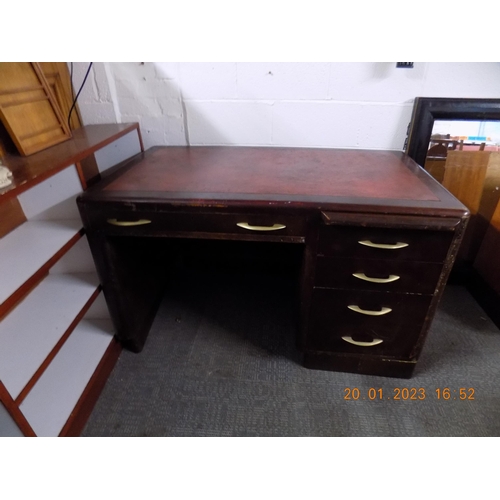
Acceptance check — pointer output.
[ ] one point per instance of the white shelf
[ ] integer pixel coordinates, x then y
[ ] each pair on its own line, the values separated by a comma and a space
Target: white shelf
26, 249
77, 259
51, 401
33, 328
98, 309
54, 198
118, 151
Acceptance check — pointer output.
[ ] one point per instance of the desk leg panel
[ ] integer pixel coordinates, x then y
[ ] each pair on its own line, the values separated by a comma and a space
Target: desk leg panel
132, 274
307, 273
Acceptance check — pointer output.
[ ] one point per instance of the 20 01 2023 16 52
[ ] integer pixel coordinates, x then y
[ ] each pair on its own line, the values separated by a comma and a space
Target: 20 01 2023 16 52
408, 393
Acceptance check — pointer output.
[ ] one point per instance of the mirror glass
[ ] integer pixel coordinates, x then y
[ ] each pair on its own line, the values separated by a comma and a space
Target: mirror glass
470, 134
459, 135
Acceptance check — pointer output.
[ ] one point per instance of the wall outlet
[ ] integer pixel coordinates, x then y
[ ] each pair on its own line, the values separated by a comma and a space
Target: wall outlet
404, 65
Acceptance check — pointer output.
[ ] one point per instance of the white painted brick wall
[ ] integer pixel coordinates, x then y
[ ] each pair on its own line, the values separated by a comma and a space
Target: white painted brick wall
375, 82
463, 80
280, 81
244, 123
95, 101
350, 105
340, 125
208, 80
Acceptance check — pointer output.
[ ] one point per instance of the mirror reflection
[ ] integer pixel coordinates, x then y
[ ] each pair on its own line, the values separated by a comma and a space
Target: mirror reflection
459, 135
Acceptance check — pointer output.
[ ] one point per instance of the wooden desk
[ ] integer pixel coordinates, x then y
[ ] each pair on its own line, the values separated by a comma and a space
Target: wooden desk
379, 236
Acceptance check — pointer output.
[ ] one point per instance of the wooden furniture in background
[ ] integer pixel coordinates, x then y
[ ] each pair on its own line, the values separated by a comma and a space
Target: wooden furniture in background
435, 167
58, 78
438, 153
56, 345
487, 262
438, 150
436, 156
474, 178
28, 108
378, 234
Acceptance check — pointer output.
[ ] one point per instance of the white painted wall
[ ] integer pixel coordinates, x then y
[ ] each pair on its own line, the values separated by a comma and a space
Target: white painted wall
341, 105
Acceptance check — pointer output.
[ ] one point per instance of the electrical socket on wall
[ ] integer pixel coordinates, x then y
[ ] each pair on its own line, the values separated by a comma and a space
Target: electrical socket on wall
408, 65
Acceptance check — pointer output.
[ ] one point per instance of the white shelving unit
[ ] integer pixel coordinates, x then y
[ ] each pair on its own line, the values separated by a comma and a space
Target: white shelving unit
56, 331
26, 249
51, 401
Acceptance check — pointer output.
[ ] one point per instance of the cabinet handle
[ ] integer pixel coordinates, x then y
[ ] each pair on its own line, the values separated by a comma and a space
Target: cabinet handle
246, 225
139, 222
363, 276
362, 344
384, 310
386, 246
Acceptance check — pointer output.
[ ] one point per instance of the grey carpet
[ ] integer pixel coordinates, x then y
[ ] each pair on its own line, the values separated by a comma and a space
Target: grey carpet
220, 361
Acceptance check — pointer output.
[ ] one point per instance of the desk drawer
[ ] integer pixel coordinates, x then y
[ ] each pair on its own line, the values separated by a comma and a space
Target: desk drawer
274, 227
377, 275
383, 243
333, 317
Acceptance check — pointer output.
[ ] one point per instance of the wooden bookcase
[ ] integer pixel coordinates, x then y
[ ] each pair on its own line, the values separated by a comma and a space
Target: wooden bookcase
56, 338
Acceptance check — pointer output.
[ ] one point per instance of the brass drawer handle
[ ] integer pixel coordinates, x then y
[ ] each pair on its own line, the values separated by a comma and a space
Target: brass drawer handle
390, 279
363, 344
246, 225
386, 246
127, 223
384, 310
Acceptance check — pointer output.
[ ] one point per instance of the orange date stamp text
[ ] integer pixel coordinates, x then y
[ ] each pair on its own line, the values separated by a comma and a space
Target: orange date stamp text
408, 394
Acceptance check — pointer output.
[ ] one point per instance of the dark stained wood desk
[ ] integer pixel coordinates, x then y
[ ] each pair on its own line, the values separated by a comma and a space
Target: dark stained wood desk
379, 235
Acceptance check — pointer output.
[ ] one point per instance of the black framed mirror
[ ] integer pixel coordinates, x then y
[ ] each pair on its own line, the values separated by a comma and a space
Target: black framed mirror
480, 279
427, 110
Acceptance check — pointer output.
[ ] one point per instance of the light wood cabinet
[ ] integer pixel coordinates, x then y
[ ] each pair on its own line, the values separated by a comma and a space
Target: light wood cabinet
487, 262
474, 178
